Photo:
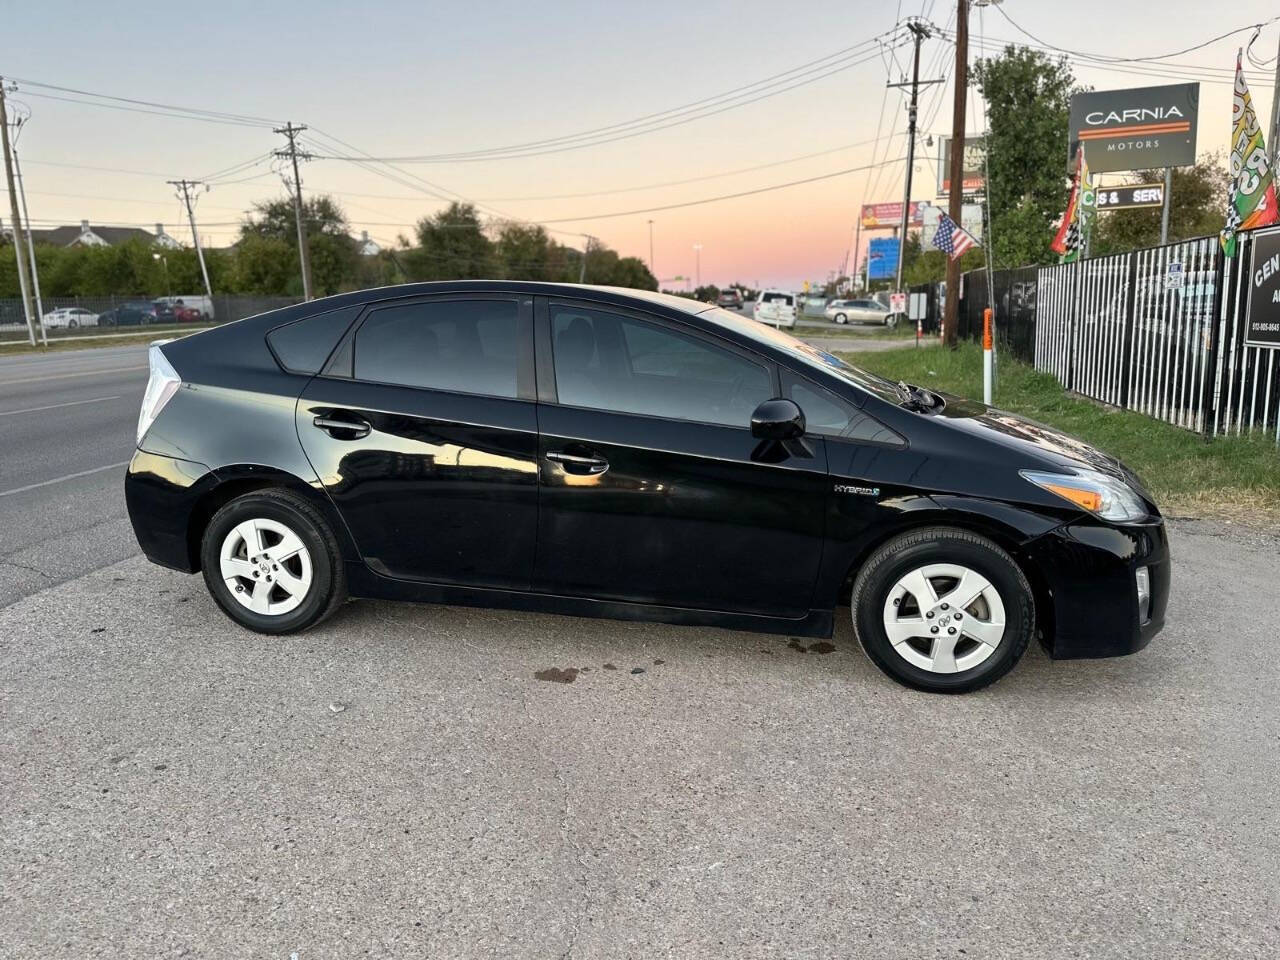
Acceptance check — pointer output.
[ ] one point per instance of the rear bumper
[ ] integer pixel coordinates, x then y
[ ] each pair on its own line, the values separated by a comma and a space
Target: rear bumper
1089, 572
160, 494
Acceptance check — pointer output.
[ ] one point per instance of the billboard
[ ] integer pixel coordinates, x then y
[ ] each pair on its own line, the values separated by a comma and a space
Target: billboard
882, 257
973, 177
1138, 129
882, 216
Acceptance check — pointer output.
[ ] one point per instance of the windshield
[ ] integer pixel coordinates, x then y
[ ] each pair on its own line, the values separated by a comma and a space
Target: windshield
810, 355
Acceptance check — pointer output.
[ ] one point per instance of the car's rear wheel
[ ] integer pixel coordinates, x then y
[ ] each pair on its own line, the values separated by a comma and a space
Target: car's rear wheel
943, 610
891, 320
841, 318
73, 323
271, 563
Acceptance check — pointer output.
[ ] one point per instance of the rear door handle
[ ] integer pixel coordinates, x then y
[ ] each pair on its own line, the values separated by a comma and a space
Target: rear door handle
352, 429
573, 463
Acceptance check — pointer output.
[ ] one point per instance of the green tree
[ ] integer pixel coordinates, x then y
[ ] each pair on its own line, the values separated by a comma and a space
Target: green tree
451, 246
1028, 98
334, 253
1198, 205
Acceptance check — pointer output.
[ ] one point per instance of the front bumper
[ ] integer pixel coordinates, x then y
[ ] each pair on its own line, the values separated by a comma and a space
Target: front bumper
161, 494
1089, 569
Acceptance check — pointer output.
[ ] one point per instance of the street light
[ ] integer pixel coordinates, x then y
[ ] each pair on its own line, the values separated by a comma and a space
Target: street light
697, 273
168, 290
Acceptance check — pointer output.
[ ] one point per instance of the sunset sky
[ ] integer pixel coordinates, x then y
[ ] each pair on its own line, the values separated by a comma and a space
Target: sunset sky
404, 80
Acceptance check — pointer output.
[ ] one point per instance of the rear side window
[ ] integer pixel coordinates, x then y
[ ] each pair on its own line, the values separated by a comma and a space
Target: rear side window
303, 346
464, 346
782, 298
827, 415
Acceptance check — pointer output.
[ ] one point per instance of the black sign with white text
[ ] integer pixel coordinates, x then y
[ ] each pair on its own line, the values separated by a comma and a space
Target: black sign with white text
1130, 197
1138, 129
1262, 316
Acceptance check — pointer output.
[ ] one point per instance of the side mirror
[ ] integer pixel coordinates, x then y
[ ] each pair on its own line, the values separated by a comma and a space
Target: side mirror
777, 420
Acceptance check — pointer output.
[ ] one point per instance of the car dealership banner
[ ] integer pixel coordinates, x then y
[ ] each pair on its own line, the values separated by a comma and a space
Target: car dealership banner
1138, 129
883, 216
1262, 314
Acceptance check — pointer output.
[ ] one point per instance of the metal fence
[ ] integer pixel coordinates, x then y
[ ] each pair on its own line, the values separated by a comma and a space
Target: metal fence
222, 308
1159, 331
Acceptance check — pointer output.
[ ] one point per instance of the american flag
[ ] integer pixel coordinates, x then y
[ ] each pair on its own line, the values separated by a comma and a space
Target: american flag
951, 238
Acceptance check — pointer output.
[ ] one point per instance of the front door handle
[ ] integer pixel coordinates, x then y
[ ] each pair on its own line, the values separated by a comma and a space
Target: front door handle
573, 463
351, 429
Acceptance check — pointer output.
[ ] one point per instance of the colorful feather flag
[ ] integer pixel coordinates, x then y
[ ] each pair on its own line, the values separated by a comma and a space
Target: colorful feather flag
1252, 201
1072, 239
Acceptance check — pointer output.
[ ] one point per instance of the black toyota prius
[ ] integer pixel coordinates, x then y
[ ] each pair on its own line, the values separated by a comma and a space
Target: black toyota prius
605, 452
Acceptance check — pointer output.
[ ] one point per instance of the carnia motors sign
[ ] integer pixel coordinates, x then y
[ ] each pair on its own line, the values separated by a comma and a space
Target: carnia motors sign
1139, 129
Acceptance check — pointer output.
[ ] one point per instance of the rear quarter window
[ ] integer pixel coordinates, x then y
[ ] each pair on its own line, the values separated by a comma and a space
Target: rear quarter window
304, 345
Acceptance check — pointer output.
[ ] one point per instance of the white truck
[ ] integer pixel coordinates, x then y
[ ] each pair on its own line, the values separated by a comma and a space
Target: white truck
777, 308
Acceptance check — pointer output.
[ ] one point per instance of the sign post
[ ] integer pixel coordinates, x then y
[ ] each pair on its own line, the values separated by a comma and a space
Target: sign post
987, 343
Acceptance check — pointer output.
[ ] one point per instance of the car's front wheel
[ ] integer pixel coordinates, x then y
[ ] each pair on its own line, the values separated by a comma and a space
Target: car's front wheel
841, 318
891, 320
943, 610
271, 563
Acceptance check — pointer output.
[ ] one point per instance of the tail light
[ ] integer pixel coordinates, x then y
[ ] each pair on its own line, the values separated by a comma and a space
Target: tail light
161, 386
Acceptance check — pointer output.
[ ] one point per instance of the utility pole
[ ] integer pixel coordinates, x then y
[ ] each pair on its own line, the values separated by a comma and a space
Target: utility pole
31, 247
23, 280
955, 201
586, 249
291, 131
184, 188
697, 269
919, 30
652, 268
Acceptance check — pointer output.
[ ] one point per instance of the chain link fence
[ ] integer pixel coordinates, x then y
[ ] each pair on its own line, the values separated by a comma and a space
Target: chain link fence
67, 317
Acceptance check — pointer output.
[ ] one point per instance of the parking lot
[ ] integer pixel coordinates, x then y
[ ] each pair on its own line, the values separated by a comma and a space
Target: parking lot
421, 781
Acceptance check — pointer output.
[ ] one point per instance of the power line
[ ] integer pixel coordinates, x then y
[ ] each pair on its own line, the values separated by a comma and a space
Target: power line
663, 118
194, 111
1110, 59
157, 113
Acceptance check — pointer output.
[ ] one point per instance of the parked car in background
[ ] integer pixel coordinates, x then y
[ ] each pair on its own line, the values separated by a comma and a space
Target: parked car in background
729, 299
130, 313
164, 312
860, 311
776, 308
70, 317
194, 301
186, 314
597, 451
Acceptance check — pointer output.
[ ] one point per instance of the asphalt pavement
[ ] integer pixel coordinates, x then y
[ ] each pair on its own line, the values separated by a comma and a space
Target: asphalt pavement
67, 424
400, 782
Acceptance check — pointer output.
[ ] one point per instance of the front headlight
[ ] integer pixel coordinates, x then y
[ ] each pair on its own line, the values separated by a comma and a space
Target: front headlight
1094, 492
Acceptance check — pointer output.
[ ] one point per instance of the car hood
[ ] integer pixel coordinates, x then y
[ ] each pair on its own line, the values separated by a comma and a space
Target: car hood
1047, 444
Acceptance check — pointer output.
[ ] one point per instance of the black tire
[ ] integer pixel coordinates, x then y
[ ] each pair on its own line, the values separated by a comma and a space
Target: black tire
328, 586
841, 318
914, 549
73, 323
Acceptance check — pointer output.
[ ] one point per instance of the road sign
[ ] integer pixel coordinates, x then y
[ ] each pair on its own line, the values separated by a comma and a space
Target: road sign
1173, 276
1262, 312
1138, 129
897, 303
1130, 197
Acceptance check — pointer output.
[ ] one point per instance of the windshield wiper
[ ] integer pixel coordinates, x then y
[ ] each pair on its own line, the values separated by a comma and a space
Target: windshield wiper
917, 398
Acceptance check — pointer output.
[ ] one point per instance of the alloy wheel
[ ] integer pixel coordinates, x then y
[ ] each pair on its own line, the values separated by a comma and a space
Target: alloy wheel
266, 566
944, 618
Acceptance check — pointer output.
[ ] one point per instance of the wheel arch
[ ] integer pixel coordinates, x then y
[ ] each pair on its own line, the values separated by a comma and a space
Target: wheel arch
236, 480
1010, 528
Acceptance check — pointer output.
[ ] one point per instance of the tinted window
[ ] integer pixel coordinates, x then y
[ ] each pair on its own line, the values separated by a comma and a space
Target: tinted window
468, 346
303, 345
776, 297
832, 416
610, 362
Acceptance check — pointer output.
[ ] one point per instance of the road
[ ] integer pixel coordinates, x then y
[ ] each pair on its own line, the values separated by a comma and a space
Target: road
67, 425
399, 783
